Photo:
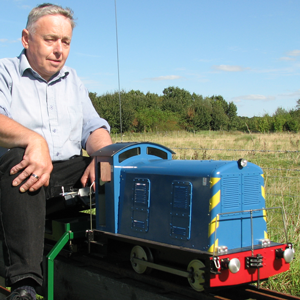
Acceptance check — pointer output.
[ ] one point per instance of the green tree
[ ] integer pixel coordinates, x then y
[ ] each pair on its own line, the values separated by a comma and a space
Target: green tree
221, 101
264, 124
280, 117
292, 125
198, 116
298, 105
176, 100
108, 107
219, 120
232, 115
152, 120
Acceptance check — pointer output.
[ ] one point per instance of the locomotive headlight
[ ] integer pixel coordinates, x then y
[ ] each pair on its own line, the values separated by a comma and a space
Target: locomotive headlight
234, 265
287, 254
242, 163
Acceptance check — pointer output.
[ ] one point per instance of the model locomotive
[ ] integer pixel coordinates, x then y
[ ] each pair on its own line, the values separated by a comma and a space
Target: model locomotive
203, 220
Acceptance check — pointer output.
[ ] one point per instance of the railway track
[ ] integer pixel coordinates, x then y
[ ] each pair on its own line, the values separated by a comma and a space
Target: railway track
252, 293
170, 286
174, 285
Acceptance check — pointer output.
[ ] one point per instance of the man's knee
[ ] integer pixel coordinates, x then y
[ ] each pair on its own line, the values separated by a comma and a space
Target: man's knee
11, 158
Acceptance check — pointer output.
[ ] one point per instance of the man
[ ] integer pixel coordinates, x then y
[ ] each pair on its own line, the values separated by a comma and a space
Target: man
46, 119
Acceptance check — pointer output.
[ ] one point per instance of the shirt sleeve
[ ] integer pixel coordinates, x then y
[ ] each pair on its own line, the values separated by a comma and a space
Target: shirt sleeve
5, 88
91, 119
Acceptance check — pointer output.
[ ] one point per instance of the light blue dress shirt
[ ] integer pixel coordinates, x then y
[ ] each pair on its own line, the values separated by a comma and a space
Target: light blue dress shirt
59, 110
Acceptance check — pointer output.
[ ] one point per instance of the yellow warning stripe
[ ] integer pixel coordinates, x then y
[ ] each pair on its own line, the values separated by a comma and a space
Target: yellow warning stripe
213, 181
213, 246
213, 225
263, 192
265, 215
214, 200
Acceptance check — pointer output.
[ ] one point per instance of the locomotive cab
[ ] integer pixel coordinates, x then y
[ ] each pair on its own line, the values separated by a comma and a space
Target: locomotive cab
110, 161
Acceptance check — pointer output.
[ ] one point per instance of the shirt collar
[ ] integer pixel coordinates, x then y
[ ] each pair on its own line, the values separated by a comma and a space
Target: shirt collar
24, 65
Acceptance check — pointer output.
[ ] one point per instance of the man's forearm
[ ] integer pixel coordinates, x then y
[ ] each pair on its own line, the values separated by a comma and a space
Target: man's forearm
13, 134
97, 140
36, 159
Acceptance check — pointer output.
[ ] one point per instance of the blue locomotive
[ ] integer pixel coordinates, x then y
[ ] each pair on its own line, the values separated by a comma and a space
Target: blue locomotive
203, 220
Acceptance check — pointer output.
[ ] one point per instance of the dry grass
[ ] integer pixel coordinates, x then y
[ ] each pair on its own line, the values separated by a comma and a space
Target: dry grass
204, 139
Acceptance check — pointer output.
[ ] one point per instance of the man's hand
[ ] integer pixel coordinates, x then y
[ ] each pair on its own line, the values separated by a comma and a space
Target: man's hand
97, 140
89, 174
36, 160
36, 166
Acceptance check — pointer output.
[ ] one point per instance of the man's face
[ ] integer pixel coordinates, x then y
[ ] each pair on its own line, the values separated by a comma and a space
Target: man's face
47, 48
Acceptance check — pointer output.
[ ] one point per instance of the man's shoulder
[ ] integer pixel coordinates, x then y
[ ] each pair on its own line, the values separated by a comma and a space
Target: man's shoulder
12, 61
9, 66
69, 69
72, 74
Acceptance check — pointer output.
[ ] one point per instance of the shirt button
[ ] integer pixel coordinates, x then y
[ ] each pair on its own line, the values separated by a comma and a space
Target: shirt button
57, 154
54, 130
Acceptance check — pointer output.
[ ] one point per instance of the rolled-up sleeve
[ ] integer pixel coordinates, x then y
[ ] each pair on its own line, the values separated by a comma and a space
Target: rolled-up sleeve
3, 111
91, 119
5, 95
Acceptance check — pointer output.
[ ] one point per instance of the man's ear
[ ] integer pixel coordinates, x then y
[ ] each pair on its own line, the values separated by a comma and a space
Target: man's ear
25, 38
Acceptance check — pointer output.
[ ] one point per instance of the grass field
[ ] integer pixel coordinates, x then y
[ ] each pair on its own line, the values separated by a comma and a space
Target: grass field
279, 157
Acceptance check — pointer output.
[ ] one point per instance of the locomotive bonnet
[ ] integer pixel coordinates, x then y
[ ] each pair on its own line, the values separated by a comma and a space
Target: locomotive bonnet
214, 210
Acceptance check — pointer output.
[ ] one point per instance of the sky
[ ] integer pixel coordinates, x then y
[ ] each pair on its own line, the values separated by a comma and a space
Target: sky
247, 51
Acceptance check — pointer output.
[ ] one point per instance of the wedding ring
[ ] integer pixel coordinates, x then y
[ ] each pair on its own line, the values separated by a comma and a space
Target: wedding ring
35, 176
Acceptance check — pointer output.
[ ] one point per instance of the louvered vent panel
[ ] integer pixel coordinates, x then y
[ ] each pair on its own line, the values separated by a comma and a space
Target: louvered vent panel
180, 224
179, 231
140, 204
231, 193
252, 190
141, 193
181, 197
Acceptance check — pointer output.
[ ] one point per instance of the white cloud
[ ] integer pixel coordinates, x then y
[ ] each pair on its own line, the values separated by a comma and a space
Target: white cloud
291, 55
291, 94
10, 41
168, 77
294, 53
287, 58
228, 68
253, 97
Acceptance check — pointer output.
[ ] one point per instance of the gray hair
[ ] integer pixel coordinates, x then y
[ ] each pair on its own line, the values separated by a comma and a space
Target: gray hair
48, 9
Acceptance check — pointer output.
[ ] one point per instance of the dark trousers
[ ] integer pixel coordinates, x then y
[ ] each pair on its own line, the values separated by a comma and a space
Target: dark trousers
22, 215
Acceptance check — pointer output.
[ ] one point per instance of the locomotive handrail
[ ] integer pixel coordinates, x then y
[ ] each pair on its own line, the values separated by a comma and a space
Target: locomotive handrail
251, 218
115, 148
91, 213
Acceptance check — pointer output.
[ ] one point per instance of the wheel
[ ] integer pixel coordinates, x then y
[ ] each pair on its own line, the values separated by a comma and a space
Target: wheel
144, 254
196, 267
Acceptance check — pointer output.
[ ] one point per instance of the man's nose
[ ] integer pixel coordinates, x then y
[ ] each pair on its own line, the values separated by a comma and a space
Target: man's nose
58, 47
